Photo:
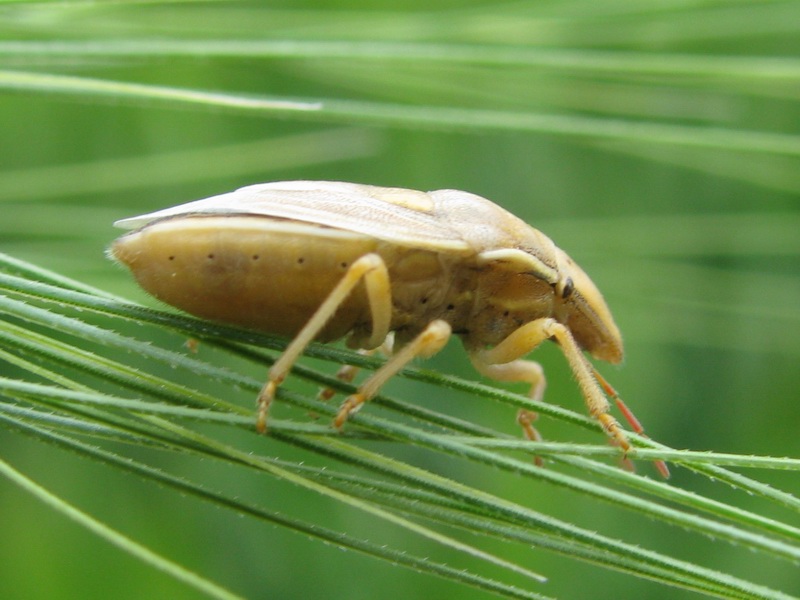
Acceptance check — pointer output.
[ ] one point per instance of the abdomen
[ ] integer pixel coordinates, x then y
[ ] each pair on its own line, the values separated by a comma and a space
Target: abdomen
250, 271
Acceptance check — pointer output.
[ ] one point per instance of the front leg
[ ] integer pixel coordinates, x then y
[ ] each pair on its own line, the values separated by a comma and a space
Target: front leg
503, 360
526, 371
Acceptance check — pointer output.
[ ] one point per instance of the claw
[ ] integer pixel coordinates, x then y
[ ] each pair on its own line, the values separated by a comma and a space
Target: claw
264, 400
349, 406
526, 418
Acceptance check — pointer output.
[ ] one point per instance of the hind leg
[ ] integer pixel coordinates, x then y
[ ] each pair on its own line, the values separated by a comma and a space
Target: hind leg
370, 269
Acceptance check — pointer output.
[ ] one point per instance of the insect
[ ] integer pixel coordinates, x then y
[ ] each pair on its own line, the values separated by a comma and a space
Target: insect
321, 260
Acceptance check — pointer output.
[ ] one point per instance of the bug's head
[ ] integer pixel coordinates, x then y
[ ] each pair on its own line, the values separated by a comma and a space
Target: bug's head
580, 306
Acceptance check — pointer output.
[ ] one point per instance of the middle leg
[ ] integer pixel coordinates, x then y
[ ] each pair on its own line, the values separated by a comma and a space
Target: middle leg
426, 344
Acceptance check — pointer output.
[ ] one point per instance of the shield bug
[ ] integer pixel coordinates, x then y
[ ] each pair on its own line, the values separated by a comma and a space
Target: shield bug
321, 260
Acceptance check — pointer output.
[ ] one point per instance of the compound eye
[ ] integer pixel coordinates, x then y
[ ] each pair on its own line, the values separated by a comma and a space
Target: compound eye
569, 287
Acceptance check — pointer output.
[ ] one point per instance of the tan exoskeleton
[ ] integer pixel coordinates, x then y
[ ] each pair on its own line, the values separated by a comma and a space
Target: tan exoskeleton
319, 260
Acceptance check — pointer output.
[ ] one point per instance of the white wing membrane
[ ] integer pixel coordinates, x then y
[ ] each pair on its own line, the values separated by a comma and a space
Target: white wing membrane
402, 216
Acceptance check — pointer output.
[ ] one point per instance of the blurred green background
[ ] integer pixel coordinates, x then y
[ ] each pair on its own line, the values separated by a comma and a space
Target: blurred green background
656, 142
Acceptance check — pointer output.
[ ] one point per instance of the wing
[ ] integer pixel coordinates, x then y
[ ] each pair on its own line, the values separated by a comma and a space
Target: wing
398, 215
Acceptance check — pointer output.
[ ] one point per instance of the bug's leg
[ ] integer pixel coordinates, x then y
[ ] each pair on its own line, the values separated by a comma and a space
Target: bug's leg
371, 269
530, 335
348, 372
526, 418
426, 344
526, 371
635, 424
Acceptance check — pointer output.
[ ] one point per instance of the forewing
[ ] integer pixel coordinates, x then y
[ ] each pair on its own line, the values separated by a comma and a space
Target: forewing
398, 215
